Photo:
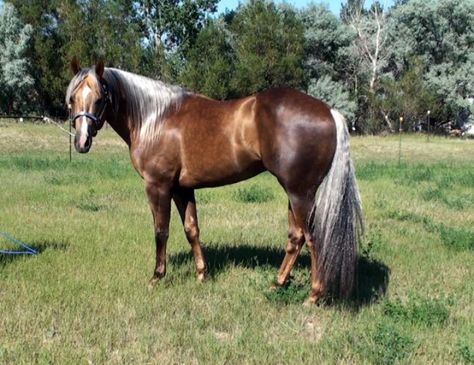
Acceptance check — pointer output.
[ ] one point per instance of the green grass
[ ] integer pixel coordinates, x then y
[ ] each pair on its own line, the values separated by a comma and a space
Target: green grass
387, 345
253, 194
84, 298
417, 311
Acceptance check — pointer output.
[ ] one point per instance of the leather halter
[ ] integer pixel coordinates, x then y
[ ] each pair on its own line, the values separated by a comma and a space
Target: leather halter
96, 118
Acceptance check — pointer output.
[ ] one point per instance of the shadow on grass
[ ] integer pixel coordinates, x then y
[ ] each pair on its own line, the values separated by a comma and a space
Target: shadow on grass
373, 276
372, 283
39, 246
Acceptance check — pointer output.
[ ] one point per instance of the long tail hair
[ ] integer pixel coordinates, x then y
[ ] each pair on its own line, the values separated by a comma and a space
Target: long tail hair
336, 221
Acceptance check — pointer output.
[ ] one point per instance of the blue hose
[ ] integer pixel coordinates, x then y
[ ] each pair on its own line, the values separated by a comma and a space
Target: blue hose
29, 250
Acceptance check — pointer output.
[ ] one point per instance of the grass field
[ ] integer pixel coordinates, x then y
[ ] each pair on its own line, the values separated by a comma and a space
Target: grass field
84, 298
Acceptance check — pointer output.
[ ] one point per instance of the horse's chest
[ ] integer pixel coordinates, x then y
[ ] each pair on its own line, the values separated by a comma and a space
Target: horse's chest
135, 157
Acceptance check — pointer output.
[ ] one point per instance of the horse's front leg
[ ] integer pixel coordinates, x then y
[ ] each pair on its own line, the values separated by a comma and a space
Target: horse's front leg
160, 203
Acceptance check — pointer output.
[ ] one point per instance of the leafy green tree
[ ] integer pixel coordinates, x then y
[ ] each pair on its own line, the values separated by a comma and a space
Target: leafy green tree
15, 76
335, 94
90, 35
326, 42
366, 58
441, 33
174, 23
210, 75
169, 31
44, 54
350, 8
63, 29
453, 84
406, 97
327, 60
269, 47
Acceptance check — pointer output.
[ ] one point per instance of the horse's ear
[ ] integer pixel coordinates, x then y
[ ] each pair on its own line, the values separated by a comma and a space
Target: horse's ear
75, 66
99, 68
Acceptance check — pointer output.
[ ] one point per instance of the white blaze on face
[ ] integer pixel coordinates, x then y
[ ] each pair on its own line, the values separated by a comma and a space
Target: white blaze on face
84, 126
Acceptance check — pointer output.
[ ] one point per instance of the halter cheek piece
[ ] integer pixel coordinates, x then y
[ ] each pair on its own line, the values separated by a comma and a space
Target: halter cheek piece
96, 119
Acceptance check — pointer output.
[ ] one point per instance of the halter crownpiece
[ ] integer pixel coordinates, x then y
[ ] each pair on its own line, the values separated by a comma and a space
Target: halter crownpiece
96, 119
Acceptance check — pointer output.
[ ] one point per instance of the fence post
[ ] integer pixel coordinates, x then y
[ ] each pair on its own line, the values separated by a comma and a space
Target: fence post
70, 142
400, 141
428, 121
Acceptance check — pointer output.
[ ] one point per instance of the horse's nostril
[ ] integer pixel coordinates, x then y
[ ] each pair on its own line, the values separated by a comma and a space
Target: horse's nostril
87, 144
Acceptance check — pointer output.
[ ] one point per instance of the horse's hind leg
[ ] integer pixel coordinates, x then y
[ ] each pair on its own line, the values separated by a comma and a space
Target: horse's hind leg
301, 205
293, 248
186, 204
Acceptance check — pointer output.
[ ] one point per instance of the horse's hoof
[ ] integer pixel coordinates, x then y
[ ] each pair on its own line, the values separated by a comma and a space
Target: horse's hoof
280, 283
201, 277
275, 286
201, 273
153, 282
312, 299
310, 302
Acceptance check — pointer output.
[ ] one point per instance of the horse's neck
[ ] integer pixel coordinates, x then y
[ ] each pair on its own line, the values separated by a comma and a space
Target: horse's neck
120, 125
123, 117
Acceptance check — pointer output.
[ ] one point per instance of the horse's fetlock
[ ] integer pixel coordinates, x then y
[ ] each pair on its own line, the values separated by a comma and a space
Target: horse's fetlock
291, 248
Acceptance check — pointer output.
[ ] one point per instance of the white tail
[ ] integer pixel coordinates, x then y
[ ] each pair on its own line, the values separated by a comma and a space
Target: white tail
336, 219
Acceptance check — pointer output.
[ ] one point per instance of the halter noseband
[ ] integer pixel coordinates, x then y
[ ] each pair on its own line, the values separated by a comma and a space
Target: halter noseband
96, 119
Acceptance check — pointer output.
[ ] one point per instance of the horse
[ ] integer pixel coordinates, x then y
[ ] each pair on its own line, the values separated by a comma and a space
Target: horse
180, 141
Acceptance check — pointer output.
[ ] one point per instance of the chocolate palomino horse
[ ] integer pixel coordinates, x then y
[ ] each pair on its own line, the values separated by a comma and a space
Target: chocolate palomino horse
180, 141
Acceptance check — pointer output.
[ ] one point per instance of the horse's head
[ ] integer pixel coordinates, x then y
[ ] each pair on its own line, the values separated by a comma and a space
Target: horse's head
87, 98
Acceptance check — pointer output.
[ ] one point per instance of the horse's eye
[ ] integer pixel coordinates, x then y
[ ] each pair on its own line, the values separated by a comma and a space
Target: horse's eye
98, 101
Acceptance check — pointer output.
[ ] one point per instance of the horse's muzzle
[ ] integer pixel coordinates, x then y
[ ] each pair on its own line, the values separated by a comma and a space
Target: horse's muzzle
82, 143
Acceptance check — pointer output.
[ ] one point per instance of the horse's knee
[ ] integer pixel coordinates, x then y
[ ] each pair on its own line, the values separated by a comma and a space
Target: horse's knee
161, 234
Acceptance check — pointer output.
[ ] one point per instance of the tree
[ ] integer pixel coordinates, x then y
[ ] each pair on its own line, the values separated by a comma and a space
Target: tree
335, 94
63, 29
210, 75
269, 47
15, 76
370, 46
174, 23
440, 33
407, 97
327, 40
350, 8
44, 51
89, 35
169, 31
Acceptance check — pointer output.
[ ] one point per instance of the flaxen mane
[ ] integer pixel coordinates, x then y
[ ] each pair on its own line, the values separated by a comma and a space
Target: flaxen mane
147, 101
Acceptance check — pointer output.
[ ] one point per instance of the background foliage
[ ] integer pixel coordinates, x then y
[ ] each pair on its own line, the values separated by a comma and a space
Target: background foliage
374, 63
